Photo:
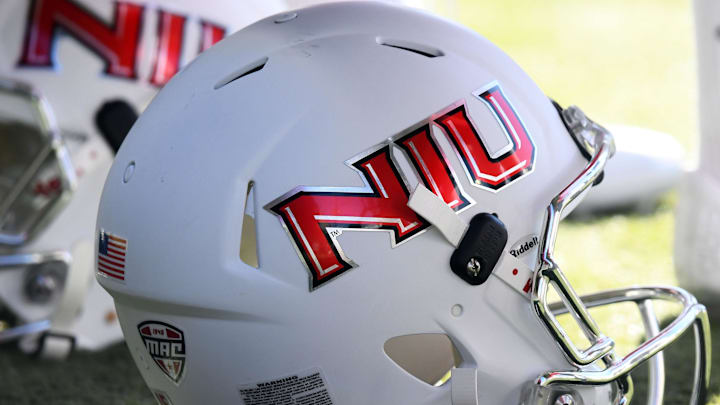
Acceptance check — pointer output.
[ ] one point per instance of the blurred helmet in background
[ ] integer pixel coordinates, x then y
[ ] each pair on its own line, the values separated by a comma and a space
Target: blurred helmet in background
74, 75
257, 268
697, 216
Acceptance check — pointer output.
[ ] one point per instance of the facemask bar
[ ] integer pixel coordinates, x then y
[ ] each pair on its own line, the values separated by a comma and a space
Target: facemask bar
29, 110
598, 142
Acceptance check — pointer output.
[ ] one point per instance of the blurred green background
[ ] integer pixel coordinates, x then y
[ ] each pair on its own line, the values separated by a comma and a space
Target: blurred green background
629, 62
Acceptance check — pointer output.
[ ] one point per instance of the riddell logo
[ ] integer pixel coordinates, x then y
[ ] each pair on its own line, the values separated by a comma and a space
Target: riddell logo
524, 246
315, 216
116, 42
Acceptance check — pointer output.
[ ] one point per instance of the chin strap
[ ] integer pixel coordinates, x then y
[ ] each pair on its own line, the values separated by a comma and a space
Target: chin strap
464, 386
514, 272
431, 207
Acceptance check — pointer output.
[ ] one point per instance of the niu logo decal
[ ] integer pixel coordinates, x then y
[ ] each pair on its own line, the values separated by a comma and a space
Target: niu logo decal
166, 346
312, 215
116, 42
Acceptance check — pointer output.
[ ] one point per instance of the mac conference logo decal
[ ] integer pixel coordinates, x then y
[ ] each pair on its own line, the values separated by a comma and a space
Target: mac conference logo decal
166, 346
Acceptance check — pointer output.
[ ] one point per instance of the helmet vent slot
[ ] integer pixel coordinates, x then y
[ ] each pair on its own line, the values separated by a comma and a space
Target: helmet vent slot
248, 237
429, 357
242, 72
424, 50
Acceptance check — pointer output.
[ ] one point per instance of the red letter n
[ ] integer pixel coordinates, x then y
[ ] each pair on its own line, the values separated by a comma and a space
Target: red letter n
308, 212
115, 43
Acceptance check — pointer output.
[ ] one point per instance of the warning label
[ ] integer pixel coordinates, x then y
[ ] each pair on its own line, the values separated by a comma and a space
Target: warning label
306, 388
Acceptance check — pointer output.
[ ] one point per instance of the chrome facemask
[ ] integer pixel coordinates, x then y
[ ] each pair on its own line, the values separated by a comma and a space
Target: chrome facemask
556, 387
36, 180
36, 176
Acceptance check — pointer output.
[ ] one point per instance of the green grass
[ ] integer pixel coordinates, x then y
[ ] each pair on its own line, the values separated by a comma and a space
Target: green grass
107, 378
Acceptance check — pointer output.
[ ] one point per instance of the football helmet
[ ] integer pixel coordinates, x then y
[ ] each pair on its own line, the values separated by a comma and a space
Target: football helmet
73, 76
249, 265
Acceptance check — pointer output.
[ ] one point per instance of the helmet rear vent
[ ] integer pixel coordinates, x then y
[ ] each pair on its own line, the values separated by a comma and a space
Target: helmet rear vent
242, 72
420, 49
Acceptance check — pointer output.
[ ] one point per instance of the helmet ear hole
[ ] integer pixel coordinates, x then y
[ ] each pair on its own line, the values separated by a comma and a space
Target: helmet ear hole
429, 357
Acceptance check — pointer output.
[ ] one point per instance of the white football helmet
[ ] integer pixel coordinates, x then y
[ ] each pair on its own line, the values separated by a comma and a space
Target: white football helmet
73, 76
249, 265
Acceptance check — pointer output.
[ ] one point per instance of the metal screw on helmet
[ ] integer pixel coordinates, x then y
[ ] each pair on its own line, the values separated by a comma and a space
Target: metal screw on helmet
41, 287
474, 267
42, 282
565, 399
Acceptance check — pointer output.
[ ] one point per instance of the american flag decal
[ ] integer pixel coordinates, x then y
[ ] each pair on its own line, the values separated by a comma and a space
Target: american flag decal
111, 256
